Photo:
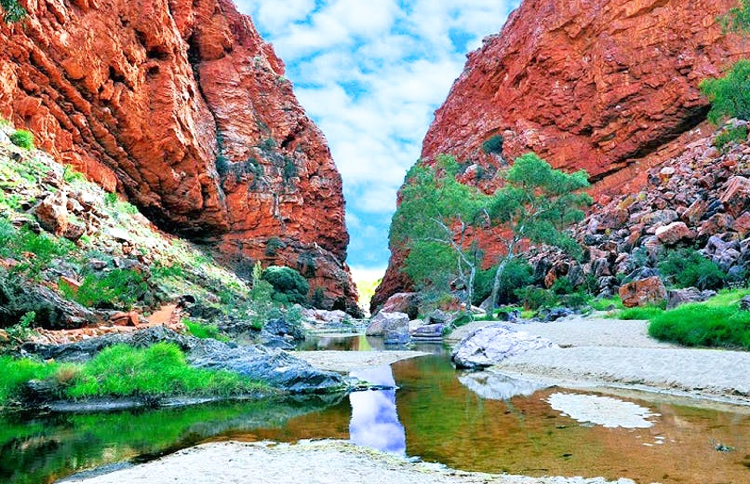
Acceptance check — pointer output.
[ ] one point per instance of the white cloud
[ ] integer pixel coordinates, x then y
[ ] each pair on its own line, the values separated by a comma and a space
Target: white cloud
371, 73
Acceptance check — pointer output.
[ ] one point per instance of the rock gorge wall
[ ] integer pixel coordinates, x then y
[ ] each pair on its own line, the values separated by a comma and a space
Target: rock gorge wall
181, 106
609, 86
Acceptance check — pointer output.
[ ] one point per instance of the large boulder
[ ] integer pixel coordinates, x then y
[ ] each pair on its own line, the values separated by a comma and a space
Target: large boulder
397, 332
678, 297
645, 292
383, 321
674, 233
272, 366
403, 302
429, 333
736, 197
492, 344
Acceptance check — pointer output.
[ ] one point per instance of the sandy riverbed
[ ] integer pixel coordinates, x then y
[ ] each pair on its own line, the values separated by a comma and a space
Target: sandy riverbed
323, 462
606, 352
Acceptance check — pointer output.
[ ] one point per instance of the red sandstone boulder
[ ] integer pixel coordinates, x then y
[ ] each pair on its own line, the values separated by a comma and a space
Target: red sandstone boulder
736, 197
674, 233
645, 292
403, 302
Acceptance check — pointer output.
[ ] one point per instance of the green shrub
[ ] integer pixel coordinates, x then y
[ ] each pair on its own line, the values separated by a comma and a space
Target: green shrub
289, 284
688, 268
605, 303
703, 325
562, 286
493, 145
204, 331
729, 95
738, 18
71, 175
517, 274
160, 370
535, 298
118, 288
36, 250
639, 313
22, 139
730, 136
22, 331
15, 372
13, 11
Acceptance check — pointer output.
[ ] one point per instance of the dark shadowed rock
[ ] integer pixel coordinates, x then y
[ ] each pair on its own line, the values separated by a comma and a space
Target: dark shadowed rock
678, 297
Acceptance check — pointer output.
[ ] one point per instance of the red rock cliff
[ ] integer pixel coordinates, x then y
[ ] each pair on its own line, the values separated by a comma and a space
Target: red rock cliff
602, 85
183, 107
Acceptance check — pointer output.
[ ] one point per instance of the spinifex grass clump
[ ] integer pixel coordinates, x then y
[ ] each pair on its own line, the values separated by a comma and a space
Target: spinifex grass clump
121, 371
703, 325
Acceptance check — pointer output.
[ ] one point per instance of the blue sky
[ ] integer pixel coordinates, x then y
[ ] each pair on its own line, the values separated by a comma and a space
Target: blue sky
371, 73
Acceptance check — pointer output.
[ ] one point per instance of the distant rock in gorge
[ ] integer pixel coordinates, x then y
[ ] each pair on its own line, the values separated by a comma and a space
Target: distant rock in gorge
181, 106
609, 86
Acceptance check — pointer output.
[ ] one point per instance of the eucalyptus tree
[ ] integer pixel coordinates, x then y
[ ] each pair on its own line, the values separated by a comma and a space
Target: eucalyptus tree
436, 222
536, 204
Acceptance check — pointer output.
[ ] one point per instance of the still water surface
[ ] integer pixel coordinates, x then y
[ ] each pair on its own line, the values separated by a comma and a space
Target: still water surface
463, 420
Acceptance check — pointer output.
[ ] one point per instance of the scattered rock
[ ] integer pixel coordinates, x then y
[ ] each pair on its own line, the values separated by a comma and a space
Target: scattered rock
383, 320
403, 302
549, 315
678, 297
645, 292
736, 197
52, 213
492, 344
430, 333
4, 336
745, 303
674, 233
125, 319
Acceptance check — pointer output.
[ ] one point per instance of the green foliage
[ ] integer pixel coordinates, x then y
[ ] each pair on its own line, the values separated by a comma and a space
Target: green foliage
204, 331
273, 245
730, 136
433, 221
13, 11
290, 170
15, 372
535, 298
318, 298
562, 286
738, 18
688, 268
22, 331
23, 139
70, 175
36, 251
729, 95
112, 200
289, 284
518, 274
158, 371
118, 288
639, 313
703, 325
605, 304
493, 145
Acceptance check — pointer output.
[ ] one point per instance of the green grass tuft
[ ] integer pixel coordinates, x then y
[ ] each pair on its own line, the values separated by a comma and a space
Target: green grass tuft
703, 325
638, 313
606, 303
22, 139
121, 371
203, 331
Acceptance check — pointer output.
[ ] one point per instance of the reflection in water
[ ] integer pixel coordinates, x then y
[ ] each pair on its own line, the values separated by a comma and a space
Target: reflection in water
374, 420
494, 386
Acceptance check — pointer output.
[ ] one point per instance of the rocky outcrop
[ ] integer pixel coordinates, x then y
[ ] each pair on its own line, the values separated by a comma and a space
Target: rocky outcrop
490, 345
182, 107
609, 86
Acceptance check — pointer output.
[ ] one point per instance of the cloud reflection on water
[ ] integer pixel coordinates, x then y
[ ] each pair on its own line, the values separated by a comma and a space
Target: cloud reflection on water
374, 421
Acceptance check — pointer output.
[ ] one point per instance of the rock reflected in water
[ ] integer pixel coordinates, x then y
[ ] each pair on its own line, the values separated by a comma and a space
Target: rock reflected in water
374, 421
496, 386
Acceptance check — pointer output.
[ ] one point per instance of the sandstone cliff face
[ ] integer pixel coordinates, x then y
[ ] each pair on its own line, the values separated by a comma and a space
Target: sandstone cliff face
608, 86
181, 106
